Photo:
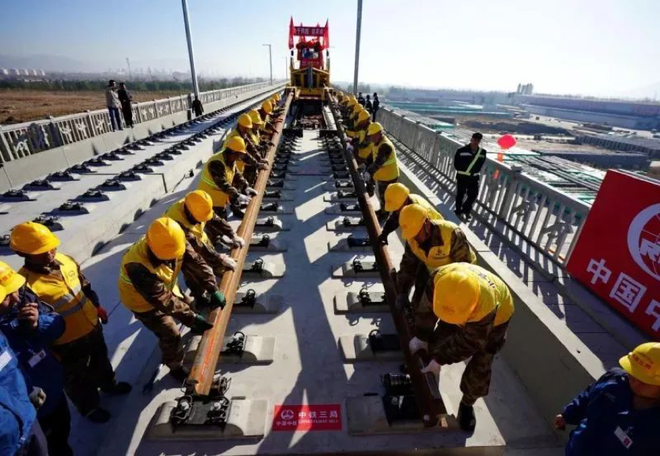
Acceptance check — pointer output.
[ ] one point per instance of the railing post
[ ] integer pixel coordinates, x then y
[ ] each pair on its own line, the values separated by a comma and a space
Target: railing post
509, 195
55, 132
5, 154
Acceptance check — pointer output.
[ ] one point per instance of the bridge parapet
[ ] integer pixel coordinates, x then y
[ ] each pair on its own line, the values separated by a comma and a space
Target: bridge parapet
509, 199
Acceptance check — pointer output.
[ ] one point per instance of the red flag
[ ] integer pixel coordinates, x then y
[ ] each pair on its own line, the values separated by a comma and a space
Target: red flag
326, 35
291, 32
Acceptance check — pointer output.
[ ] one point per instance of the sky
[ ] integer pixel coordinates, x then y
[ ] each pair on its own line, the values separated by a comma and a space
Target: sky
590, 47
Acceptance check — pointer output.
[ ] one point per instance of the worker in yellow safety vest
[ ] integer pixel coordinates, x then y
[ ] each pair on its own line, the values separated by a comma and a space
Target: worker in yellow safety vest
384, 168
222, 180
360, 145
58, 281
352, 120
265, 112
192, 213
398, 196
148, 287
473, 308
258, 135
430, 244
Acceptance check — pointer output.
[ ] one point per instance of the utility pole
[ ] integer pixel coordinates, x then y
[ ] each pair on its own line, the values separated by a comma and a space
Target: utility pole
270, 57
191, 53
357, 46
128, 63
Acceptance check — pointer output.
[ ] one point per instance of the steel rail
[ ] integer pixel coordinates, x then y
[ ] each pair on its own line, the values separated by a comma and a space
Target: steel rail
207, 355
427, 394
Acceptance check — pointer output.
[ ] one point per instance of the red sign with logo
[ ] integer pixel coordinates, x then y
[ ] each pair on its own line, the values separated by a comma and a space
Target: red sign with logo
307, 418
618, 252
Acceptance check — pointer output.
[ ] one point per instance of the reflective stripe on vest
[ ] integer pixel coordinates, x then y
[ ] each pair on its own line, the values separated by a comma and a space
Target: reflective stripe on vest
177, 213
138, 253
66, 296
472, 163
206, 183
390, 169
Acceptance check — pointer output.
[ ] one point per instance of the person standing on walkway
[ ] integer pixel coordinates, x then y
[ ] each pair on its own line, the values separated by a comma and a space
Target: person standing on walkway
468, 162
198, 109
360, 99
148, 287
59, 282
31, 327
473, 308
368, 105
375, 104
619, 414
114, 105
20, 432
125, 98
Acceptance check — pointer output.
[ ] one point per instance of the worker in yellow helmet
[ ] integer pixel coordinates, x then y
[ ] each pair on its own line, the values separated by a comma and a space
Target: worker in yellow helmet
351, 120
473, 308
58, 281
347, 109
265, 112
360, 145
251, 162
384, 168
398, 196
192, 213
258, 126
222, 180
619, 414
148, 287
430, 244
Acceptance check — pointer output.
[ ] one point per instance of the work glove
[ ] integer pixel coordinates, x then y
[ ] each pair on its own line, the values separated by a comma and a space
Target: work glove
237, 242
200, 324
37, 397
228, 262
349, 148
262, 165
382, 238
250, 191
243, 200
218, 300
434, 368
103, 315
366, 176
401, 302
416, 345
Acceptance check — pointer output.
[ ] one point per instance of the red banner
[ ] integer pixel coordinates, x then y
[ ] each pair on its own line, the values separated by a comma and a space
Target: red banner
309, 31
304, 417
618, 253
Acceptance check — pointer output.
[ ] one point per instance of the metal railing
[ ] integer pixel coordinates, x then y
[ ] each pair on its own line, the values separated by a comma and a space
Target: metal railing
24, 139
509, 200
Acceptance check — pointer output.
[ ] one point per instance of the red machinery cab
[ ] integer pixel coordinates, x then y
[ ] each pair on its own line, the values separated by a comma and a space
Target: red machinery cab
309, 62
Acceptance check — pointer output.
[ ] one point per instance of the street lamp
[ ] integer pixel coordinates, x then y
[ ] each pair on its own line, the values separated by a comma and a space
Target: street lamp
270, 56
358, 29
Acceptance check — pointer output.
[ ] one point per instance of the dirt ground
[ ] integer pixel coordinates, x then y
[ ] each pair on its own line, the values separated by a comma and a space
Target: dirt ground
18, 106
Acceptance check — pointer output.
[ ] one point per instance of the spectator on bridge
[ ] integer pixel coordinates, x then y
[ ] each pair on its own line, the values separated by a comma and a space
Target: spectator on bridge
198, 109
468, 161
30, 327
126, 99
620, 413
59, 282
473, 307
114, 105
375, 106
360, 99
368, 105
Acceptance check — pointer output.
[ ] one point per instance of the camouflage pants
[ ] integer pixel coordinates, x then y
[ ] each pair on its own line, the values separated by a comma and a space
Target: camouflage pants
250, 174
86, 369
475, 382
169, 336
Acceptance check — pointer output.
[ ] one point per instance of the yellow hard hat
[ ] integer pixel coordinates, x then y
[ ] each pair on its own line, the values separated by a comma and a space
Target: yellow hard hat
267, 107
32, 238
245, 121
395, 196
10, 280
357, 108
643, 363
278, 97
235, 144
255, 117
3, 293
363, 115
351, 102
166, 239
374, 128
455, 295
411, 220
200, 205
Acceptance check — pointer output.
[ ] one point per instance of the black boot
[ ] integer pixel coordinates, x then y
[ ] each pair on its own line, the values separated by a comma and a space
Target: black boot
117, 388
466, 419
